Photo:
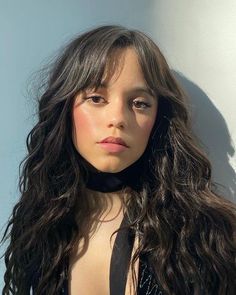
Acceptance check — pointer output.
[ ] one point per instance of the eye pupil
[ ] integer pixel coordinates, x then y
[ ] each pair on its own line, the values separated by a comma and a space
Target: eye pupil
95, 98
140, 104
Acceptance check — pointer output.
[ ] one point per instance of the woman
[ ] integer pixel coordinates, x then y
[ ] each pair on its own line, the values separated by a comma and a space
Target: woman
117, 197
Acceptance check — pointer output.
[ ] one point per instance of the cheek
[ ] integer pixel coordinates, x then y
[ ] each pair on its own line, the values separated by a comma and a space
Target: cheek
84, 127
147, 128
147, 123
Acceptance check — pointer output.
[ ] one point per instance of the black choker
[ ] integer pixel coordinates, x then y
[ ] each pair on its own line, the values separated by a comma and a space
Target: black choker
132, 176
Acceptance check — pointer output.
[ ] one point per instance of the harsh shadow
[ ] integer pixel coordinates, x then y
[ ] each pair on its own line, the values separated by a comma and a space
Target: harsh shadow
211, 128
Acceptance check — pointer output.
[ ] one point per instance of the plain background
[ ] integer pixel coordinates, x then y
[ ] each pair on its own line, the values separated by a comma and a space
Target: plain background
197, 38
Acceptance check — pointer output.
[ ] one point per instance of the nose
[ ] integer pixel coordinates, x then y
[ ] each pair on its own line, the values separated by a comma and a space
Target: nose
117, 114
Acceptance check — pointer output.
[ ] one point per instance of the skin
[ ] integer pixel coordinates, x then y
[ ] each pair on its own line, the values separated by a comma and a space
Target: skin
112, 110
115, 109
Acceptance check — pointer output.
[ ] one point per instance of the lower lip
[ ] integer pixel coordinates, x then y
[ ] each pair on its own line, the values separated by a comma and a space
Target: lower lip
113, 147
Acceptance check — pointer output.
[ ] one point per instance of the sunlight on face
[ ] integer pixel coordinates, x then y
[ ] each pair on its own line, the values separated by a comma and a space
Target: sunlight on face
122, 107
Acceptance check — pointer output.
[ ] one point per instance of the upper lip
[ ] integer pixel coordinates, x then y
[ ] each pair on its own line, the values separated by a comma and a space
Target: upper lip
117, 140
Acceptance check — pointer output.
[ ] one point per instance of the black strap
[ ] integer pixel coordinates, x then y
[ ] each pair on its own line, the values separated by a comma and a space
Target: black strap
121, 255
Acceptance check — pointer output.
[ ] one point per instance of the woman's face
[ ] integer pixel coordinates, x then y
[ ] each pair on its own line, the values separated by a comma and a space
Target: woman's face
122, 107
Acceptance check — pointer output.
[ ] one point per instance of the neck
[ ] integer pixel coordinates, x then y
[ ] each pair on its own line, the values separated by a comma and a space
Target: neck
132, 176
109, 204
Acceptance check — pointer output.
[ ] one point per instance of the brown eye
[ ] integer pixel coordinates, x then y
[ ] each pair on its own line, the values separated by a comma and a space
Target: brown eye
96, 99
141, 104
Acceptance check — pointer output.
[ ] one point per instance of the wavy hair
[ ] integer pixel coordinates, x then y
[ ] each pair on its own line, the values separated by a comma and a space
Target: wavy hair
187, 229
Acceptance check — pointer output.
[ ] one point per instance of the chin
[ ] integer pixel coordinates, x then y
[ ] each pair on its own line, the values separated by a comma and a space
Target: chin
111, 168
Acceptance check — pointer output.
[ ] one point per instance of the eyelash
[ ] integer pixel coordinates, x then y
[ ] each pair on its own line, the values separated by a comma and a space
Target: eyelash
146, 105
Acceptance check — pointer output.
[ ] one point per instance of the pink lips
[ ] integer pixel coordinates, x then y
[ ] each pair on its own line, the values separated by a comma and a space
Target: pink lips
116, 140
113, 144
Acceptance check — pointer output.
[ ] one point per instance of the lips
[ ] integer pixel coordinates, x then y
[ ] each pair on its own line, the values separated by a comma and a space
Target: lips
115, 140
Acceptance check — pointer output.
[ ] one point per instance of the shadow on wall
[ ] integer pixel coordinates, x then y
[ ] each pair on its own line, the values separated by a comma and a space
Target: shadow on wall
211, 128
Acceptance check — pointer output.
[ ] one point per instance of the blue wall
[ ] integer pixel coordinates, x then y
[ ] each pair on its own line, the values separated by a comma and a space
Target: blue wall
30, 33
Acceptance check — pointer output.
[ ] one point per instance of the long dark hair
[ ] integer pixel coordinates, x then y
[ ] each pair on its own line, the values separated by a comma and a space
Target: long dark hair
185, 228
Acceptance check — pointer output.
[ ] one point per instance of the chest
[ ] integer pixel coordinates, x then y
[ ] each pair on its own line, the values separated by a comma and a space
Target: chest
89, 270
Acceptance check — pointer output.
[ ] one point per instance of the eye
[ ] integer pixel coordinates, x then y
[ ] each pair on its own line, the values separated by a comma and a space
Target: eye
139, 104
96, 99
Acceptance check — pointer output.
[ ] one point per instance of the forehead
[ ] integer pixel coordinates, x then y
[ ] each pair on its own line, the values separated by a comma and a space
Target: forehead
123, 68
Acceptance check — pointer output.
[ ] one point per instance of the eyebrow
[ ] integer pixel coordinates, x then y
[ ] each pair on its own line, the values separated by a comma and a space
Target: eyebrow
137, 89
